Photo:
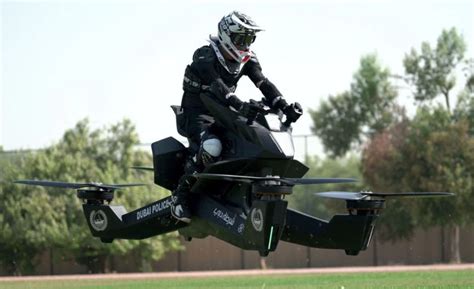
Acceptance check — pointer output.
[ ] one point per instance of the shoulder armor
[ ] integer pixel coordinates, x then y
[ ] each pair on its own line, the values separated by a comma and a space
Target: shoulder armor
254, 58
204, 54
252, 65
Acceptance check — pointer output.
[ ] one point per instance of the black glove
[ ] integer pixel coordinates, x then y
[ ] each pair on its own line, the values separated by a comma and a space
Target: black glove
250, 110
293, 112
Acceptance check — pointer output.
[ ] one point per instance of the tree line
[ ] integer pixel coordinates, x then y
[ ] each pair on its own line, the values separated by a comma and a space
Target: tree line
34, 219
431, 150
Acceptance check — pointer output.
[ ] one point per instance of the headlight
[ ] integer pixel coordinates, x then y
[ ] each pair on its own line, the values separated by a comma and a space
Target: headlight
285, 142
273, 122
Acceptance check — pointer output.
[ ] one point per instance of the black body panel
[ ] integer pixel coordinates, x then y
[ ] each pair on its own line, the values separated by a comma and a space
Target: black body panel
168, 162
348, 232
148, 221
241, 140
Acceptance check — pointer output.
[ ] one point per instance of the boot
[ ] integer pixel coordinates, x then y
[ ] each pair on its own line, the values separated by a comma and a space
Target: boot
180, 208
181, 213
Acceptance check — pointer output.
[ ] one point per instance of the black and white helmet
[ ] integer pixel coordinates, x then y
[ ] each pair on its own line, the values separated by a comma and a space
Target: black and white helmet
236, 32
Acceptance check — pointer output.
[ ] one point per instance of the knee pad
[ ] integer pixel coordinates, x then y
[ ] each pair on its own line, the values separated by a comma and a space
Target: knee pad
210, 150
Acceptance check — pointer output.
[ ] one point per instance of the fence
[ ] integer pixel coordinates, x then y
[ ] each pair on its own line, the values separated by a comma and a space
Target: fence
426, 247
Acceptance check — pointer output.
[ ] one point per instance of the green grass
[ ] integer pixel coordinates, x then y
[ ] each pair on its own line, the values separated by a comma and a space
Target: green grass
434, 279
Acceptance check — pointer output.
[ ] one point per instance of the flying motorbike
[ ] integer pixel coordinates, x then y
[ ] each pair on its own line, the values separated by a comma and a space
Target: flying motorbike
239, 199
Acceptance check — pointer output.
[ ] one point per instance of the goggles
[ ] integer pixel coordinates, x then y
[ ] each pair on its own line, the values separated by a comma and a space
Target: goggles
241, 40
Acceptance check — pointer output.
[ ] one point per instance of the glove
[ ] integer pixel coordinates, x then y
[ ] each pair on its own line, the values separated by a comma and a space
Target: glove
250, 109
293, 112
233, 101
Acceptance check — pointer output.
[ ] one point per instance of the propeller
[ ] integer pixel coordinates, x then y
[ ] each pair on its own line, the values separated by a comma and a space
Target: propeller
342, 195
287, 181
142, 168
366, 195
65, 185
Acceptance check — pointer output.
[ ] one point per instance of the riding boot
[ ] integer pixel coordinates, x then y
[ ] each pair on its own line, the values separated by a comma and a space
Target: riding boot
180, 208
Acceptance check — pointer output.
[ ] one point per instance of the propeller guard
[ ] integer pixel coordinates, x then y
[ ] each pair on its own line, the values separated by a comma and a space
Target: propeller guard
261, 189
95, 196
365, 207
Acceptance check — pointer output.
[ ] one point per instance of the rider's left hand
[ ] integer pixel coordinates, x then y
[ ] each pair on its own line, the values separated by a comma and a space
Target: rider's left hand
250, 109
293, 112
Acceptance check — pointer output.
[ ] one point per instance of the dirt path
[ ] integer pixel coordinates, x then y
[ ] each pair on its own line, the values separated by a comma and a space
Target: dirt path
224, 273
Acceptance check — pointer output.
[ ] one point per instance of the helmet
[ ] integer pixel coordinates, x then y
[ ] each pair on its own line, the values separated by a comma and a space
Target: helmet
236, 32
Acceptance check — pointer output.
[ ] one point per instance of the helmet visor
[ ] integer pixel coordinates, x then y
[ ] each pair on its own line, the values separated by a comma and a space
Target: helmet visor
242, 41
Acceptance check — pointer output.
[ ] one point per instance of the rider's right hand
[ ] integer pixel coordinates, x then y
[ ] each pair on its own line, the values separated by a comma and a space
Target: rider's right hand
293, 112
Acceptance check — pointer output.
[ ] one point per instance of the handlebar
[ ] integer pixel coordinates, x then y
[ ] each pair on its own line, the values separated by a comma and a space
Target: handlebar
259, 106
287, 123
251, 120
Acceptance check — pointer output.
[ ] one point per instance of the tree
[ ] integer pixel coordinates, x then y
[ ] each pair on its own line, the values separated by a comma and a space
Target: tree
350, 117
82, 155
433, 73
28, 224
382, 169
420, 155
432, 70
434, 150
464, 109
428, 152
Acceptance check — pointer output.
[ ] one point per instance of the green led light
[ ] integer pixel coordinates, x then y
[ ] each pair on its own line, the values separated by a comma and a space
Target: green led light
271, 234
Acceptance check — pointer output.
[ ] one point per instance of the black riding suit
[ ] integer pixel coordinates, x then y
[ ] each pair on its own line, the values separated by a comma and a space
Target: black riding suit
206, 75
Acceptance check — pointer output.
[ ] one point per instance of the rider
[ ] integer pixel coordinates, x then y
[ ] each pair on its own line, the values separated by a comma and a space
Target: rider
215, 71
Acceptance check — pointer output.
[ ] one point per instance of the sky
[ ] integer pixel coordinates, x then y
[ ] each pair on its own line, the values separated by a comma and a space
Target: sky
63, 61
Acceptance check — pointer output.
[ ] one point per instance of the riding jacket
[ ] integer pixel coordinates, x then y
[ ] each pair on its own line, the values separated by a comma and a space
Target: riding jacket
211, 73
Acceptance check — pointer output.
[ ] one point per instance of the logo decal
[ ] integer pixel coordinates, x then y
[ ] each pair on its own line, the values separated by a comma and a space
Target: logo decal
228, 220
98, 220
153, 209
257, 219
241, 228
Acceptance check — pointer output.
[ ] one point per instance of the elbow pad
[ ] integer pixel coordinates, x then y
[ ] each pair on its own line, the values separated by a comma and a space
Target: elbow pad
233, 100
271, 93
219, 88
191, 83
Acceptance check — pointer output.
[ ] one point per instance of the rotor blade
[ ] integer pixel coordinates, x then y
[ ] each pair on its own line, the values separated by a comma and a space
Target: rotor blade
409, 194
142, 168
288, 181
66, 185
297, 181
362, 195
118, 186
342, 195
237, 178
52, 184
123, 185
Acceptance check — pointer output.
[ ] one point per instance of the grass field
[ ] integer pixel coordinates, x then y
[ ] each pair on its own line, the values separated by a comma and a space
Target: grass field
420, 279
